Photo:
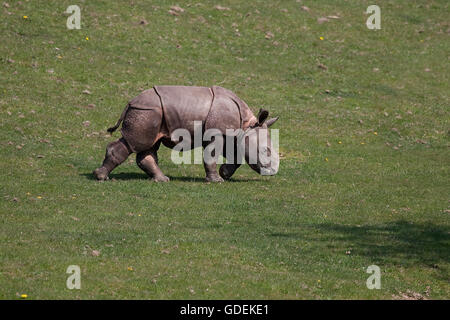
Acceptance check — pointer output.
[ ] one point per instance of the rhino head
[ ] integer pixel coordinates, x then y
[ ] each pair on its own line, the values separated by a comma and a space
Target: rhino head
256, 146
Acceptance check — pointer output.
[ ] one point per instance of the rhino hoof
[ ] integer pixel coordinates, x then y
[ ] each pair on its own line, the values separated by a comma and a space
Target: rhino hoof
101, 174
160, 179
214, 179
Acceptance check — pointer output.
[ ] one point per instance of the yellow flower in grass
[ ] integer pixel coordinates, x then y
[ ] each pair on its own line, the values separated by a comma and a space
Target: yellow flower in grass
130, 268
321, 38
24, 296
326, 159
25, 17
87, 38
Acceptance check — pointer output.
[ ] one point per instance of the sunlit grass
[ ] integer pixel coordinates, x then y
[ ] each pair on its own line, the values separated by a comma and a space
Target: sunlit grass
363, 136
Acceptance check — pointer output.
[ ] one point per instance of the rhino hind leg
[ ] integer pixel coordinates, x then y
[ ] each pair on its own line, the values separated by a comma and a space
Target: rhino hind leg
148, 162
116, 153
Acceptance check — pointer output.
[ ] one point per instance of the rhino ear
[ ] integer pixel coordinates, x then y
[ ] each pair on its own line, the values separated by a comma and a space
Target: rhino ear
262, 116
271, 121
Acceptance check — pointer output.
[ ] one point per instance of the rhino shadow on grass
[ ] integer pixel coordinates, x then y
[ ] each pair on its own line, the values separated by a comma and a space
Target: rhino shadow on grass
127, 176
400, 243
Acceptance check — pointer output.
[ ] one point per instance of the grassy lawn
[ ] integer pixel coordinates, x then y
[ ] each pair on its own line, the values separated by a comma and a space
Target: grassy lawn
364, 142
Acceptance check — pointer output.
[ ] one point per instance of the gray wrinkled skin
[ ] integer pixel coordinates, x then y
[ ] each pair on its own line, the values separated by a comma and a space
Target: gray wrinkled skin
151, 118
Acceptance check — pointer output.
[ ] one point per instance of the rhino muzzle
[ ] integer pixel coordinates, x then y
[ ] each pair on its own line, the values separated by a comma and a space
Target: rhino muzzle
268, 171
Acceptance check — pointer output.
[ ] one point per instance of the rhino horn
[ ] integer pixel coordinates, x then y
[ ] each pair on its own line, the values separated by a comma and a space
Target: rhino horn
271, 121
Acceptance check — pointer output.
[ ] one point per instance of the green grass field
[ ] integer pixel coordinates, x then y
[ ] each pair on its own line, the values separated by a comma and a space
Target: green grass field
364, 138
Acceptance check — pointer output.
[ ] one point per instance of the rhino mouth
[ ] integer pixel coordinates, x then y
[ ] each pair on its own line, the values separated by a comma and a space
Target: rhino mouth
101, 174
274, 166
268, 171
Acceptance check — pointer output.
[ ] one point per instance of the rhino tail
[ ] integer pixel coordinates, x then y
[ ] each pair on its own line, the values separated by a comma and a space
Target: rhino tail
122, 116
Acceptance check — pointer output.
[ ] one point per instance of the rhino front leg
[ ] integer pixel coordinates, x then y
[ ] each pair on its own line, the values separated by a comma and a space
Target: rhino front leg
227, 170
116, 153
232, 164
148, 162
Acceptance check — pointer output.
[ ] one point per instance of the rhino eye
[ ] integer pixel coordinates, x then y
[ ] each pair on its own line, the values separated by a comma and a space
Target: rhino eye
265, 151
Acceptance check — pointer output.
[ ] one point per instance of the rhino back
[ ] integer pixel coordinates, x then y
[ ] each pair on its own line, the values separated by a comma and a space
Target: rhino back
183, 105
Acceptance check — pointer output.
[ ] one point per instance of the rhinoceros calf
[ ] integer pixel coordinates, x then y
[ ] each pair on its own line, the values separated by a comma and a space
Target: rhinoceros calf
153, 116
